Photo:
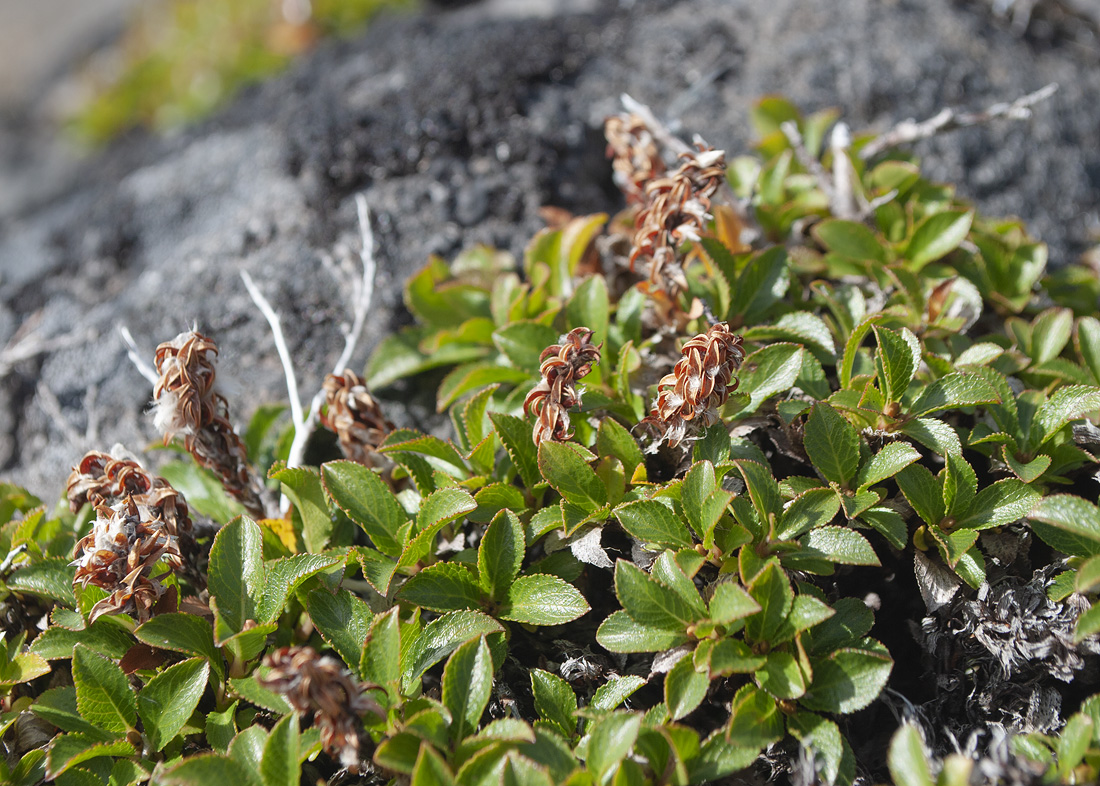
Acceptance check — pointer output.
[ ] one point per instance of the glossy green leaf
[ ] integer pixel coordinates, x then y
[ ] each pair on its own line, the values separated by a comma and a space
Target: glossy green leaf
342, 620
103, 694
840, 545
367, 500
168, 700
571, 476
649, 602
620, 633
541, 599
612, 738
236, 572
832, 444
850, 239
516, 436
1065, 405
444, 586
953, 391
849, 679
1068, 523
555, 701
523, 342
303, 486
907, 759
500, 554
440, 638
184, 633
892, 459
467, 685
284, 576
781, 676
936, 236
685, 688
279, 764
772, 591
652, 522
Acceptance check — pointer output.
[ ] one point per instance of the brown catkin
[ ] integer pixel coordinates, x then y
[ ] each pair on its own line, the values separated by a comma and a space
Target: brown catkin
562, 365
689, 398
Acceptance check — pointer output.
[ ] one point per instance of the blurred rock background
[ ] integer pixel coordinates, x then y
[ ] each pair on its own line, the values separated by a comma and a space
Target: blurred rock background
458, 121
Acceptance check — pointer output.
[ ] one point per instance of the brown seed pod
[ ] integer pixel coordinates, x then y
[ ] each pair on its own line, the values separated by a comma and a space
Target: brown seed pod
319, 684
562, 365
188, 406
688, 399
355, 416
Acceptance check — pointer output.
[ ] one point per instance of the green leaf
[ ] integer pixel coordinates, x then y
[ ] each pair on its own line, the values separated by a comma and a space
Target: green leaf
762, 283
541, 599
430, 769
103, 636
823, 738
840, 545
516, 436
762, 487
907, 758
103, 694
650, 602
184, 633
236, 572
768, 371
652, 522
612, 439
1087, 624
849, 679
772, 591
467, 685
685, 688
202, 489
440, 638
731, 602
381, 659
249, 689
850, 239
302, 485
850, 623
936, 236
615, 691
620, 633
205, 769
571, 476
1087, 576
704, 503
50, 578
58, 706
284, 576
888, 523
523, 342
590, 307
809, 510
923, 491
892, 459
342, 620
896, 361
444, 586
832, 443
168, 700
476, 376
279, 764
754, 719
436, 511
1068, 523
22, 667
612, 738
221, 727
781, 676
1065, 405
68, 750
953, 391
1001, 503
933, 434
960, 483
500, 554
731, 656
367, 500
555, 701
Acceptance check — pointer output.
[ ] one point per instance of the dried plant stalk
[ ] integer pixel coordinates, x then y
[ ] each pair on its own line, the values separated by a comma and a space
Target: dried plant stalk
188, 405
636, 159
130, 535
320, 684
355, 416
675, 210
689, 398
562, 365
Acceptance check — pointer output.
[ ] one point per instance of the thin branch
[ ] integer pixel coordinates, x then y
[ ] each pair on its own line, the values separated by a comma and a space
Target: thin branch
136, 357
656, 127
280, 346
949, 119
362, 294
30, 346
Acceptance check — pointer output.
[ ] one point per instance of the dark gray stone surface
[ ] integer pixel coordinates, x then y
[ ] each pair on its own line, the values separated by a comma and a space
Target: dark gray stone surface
458, 126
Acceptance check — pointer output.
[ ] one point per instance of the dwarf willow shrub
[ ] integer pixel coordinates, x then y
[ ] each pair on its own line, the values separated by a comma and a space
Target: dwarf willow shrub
655, 575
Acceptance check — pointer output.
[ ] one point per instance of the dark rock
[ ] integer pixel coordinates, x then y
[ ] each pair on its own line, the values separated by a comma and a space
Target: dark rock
458, 125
